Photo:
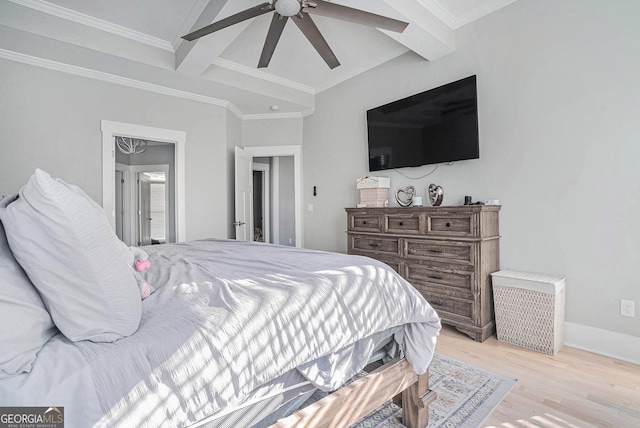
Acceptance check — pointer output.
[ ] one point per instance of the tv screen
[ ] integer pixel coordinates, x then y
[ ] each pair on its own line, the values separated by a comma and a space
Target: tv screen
436, 126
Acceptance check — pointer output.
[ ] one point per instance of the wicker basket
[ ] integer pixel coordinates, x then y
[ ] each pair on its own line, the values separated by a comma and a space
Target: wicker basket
529, 310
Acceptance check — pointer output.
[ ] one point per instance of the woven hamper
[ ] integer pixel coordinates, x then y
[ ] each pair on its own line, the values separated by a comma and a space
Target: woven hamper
529, 310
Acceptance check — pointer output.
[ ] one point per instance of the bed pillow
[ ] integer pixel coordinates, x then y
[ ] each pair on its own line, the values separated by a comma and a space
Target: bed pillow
63, 241
25, 324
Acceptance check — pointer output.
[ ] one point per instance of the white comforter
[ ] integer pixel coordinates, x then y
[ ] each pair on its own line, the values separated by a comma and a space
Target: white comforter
227, 317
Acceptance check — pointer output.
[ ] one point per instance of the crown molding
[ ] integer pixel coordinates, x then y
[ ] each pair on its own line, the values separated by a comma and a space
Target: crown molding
119, 80
99, 24
291, 115
145, 86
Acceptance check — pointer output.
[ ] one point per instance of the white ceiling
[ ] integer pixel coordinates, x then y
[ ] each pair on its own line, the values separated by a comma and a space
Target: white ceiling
137, 43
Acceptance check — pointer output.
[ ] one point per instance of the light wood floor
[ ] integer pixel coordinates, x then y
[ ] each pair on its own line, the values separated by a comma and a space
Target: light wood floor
572, 389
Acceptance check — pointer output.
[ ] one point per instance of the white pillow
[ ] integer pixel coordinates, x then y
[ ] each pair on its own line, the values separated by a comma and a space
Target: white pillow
25, 324
64, 242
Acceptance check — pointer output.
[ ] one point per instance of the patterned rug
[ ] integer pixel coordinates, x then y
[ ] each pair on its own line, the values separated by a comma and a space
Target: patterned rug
466, 396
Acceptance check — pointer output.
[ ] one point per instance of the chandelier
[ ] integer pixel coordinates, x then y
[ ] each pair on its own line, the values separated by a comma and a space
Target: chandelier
131, 146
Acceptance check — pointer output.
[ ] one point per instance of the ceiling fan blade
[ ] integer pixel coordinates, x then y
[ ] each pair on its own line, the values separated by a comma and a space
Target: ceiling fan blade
311, 32
230, 20
336, 11
275, 31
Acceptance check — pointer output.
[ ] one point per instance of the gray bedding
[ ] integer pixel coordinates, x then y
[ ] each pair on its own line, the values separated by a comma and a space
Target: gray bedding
226, 318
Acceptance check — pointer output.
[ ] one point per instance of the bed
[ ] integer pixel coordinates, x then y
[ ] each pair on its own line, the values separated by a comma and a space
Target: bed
234, 333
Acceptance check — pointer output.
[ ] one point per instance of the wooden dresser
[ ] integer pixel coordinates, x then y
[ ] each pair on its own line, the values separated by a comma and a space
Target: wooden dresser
446, 253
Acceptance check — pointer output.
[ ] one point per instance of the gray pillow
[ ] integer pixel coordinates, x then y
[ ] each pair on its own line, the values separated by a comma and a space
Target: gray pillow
25, 324
63, 241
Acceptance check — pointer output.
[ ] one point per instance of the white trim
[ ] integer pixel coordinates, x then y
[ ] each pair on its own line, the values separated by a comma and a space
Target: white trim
604, 342
296, 152
109, 131
98, 24
270, 116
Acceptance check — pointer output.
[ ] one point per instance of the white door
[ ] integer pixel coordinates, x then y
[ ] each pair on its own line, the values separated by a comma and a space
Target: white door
244, 198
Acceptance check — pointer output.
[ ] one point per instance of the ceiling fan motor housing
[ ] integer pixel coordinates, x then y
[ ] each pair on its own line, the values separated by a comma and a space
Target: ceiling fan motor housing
287, 7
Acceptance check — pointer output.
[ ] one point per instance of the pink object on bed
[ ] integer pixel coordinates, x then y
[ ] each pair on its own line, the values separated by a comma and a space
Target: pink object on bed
142, 265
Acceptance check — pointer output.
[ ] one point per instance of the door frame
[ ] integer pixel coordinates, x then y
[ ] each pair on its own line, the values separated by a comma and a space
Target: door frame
178, 138
296, 152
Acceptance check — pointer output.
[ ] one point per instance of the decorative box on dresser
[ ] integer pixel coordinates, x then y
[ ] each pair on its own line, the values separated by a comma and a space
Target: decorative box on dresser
447, 253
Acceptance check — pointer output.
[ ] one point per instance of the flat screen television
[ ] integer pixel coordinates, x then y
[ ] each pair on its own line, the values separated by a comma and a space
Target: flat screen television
436, 126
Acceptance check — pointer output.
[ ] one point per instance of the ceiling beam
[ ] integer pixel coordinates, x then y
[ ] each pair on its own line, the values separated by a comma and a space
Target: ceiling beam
426, 35
193, 58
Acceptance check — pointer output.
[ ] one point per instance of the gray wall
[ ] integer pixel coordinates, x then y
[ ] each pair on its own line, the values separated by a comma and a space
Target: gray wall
559, 102
270, 132
51, 120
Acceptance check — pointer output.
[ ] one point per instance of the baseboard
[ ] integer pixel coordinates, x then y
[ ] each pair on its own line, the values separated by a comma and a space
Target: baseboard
604, 342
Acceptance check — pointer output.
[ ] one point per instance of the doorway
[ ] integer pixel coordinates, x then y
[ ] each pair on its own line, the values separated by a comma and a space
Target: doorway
285, 218
143, 210
112, 129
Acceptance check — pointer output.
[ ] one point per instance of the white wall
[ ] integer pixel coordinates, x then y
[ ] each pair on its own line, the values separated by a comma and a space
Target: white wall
51, 120
559, 102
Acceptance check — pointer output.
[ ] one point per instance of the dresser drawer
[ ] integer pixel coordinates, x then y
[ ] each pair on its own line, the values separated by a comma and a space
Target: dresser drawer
446, 224
364, 222
403, 223
448, 307
440, 279
369, 245
424, 249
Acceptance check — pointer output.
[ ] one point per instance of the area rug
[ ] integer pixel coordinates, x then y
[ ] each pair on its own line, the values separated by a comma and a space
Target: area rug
466, 396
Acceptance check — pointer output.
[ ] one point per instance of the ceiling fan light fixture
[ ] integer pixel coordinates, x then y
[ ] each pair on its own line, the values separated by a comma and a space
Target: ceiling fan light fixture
288, 7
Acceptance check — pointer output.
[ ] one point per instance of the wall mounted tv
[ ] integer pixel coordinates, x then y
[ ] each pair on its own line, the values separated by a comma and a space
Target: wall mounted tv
436, 126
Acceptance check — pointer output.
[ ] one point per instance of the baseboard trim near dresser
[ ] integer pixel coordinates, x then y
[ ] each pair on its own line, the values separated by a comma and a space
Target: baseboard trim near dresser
604, 342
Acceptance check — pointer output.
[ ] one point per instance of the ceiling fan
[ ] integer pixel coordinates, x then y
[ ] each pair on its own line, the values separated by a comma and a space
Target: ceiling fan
300, 12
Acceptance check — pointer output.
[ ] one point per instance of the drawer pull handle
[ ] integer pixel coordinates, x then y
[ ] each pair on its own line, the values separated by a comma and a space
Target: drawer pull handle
374, 244
401, 223
448, 224
433, 250
434, 277
364, 221
436, 302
